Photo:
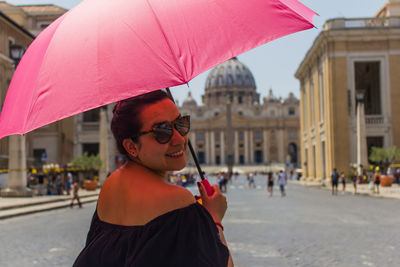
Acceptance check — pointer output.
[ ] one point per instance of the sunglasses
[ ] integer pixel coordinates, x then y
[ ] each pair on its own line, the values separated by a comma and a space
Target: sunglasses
164, 131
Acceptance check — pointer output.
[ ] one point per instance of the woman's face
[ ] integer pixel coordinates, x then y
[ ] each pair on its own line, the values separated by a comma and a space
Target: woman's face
161, 157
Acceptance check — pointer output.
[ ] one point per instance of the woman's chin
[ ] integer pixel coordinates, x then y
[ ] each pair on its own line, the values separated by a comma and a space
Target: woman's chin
177, 166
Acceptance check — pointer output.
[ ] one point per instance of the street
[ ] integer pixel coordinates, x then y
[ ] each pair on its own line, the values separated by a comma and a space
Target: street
308, 227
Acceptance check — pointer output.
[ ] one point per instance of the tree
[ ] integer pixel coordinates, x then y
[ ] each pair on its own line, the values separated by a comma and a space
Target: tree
88, 164
384, 157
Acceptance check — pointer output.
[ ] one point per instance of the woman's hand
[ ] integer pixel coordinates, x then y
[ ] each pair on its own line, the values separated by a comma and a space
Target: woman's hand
216, 204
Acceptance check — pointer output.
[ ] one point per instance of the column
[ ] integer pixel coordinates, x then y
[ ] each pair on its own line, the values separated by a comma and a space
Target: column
192, 137
207, 146
281, 149
111, 145
251, 143
16, 168
362, 153
246, 147
212, 144
103, 147
236, 145
265, 146
222, 147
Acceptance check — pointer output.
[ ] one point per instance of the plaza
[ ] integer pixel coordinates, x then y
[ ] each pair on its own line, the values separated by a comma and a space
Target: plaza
308, 227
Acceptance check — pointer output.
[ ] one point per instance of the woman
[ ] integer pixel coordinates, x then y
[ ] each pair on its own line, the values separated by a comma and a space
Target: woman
141, 219
377, 181
270, 183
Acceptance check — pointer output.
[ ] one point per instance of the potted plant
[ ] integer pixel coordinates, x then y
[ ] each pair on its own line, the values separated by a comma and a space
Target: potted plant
384, 158
89, 165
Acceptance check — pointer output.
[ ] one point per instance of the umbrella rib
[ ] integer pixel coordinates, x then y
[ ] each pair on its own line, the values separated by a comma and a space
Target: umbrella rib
167, 41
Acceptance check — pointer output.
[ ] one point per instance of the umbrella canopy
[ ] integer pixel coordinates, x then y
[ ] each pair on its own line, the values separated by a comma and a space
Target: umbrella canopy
103, 51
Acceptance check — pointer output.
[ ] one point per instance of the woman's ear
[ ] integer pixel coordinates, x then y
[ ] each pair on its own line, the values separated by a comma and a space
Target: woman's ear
131, 147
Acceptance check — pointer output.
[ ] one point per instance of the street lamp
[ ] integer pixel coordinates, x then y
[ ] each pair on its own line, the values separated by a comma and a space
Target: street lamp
16, 53
359, 97
362, 152
16, 149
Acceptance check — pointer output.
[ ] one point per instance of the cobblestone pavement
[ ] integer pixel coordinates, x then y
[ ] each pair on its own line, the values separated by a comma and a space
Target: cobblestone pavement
308, 227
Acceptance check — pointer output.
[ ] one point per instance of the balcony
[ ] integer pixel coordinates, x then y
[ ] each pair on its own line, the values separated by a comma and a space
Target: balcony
90, 126
374, 120
343, 23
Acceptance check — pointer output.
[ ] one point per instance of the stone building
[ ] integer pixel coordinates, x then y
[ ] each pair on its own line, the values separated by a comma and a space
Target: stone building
52, 143
10, 34
263, 133
349, 58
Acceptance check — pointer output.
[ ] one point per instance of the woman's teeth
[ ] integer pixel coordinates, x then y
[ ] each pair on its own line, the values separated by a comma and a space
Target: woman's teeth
176, 154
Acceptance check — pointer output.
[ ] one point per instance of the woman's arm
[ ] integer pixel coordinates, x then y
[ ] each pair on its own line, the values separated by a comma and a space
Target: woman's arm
216, 205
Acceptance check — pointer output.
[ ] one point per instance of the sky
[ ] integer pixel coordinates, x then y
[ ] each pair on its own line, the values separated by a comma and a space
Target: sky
274, 64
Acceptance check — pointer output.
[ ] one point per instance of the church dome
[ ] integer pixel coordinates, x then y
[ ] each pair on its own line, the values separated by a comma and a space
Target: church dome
189, 100
230, 80
231, 73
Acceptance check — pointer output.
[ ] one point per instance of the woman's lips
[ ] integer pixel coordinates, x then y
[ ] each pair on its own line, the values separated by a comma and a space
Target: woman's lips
176, 155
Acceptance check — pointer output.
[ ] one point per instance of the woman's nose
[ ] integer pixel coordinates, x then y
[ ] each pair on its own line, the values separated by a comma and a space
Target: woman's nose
177, 138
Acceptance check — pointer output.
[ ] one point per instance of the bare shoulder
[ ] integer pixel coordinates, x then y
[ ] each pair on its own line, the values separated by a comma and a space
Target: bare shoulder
178, 197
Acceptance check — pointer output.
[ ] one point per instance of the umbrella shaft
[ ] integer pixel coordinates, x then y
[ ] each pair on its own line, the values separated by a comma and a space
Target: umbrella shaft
196, 161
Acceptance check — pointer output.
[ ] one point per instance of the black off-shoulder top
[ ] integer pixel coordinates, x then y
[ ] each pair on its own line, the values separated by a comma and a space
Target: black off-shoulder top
182, 237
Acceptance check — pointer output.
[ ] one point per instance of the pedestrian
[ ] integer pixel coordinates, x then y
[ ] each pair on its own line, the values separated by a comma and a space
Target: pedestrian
377, 181
40, 183
75, 194
397, 176
69, 183
334, 181
343, 181
222, 182
270, 183
282, 182
250, 179
141, 219
354, 181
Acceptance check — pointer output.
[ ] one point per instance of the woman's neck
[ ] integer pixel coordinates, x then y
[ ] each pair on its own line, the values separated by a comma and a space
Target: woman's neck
137, 166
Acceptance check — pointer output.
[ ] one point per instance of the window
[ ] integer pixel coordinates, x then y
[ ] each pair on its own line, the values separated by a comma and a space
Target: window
321, 94
312, 101
258, 135
91, 148
241, 159
314, 161
217, 137
292, 134
201, 157
367, 79
39, 156
200, 136
258, 156
218, 160
92, 115
241, 136
240, 99
292, 111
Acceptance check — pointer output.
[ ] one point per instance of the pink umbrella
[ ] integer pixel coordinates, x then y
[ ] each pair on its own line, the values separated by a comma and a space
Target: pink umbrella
103, 51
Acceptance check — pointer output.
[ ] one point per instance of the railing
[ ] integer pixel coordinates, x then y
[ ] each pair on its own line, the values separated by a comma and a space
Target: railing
374, 119
361, 23
90, 126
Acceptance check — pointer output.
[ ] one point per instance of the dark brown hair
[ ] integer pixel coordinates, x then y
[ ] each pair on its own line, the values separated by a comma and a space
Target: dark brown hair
126, 121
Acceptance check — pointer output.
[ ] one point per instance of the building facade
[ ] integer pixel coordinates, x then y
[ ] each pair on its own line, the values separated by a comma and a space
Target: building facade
348, 58
262, 133
52, 143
